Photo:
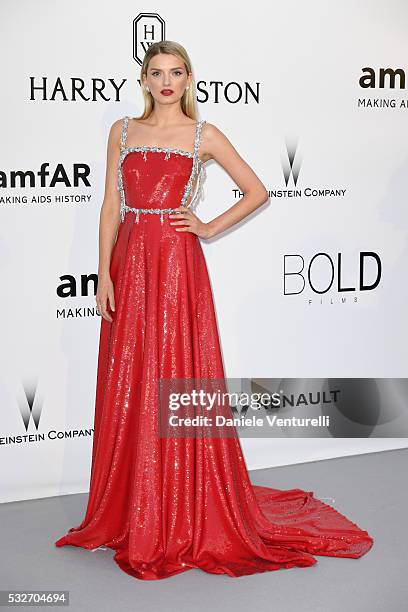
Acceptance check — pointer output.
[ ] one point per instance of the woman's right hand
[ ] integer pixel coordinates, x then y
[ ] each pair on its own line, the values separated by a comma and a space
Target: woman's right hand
105, 297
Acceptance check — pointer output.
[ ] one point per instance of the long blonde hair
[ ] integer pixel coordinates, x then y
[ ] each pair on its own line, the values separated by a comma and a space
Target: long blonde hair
188, 105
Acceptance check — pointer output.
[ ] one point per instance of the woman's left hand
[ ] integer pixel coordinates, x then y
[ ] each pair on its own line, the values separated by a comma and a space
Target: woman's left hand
190, 221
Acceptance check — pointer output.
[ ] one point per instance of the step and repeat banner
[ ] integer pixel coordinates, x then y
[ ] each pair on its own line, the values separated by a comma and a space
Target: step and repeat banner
310, 290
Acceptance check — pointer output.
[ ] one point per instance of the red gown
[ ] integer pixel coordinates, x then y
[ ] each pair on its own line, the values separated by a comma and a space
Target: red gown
165, 505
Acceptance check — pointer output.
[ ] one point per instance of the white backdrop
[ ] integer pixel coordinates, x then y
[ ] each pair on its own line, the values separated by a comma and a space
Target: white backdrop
277, 79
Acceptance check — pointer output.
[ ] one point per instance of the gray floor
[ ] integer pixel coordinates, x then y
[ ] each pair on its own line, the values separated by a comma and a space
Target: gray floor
370, 489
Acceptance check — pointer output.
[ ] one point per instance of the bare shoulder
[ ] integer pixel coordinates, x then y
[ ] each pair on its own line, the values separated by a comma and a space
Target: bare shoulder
211, 131
116, 127
115, 132
214, 142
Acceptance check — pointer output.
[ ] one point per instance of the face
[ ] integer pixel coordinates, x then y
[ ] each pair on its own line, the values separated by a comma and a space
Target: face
167, 78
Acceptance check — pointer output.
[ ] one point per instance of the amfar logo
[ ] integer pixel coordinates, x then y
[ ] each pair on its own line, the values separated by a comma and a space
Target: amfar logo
147, 29
324, 273
75, 176
71, 287
49, 177
27, 409
382, 78
291, 165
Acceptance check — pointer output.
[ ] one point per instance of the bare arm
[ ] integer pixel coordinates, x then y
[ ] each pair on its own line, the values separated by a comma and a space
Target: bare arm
220, 148
109, 220
215, 145
109, 215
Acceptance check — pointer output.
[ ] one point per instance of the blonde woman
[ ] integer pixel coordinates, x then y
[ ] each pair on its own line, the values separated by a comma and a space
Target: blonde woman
166, 504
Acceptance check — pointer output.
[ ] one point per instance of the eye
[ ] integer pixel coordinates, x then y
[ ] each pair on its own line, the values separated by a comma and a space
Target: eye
156, 72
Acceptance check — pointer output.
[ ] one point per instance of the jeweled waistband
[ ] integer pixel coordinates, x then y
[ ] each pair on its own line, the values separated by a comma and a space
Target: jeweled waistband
157, 211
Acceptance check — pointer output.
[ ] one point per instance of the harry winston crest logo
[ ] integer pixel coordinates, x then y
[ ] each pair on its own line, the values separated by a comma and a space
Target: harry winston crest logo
148, 28
291, 165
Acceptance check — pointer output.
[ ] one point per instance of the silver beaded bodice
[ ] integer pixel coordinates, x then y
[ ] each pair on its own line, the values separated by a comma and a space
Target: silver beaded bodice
196, 170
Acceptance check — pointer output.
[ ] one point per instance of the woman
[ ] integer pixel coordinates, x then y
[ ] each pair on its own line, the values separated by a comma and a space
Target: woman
168, 504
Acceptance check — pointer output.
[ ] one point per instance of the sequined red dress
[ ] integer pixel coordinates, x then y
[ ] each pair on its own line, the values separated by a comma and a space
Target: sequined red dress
167, 505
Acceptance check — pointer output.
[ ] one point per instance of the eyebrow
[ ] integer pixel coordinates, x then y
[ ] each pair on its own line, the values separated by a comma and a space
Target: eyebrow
176, 68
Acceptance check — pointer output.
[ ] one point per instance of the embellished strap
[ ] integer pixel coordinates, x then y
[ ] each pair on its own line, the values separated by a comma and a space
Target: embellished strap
125, 124
197, 139
198, 168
